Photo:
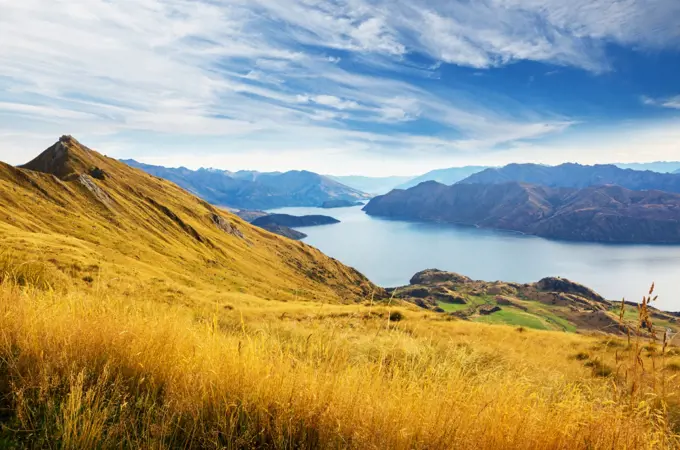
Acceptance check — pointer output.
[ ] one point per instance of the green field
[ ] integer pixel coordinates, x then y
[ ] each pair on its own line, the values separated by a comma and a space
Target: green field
513, 317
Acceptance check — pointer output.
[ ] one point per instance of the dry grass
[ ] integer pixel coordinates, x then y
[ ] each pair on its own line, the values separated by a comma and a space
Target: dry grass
107, 370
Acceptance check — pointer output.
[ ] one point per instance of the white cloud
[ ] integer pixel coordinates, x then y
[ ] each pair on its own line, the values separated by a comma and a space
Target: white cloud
668, 102
264, 76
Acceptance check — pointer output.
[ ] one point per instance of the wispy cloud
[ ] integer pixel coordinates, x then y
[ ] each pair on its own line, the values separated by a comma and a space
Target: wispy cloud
264, 76
668, 102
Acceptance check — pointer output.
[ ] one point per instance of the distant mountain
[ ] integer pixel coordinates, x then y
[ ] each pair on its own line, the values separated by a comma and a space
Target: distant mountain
372, 185
658, 166
443, 176
596, 213
578, 176
255, 190
677, 172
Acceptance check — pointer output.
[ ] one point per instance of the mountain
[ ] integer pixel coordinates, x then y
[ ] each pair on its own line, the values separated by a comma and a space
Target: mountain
255, 190
372, 185
677, 172
658, 166
596, 213
577, 176
89, 214
287, 220
443, 176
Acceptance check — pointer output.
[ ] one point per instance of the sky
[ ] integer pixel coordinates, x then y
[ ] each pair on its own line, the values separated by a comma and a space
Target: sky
372, 87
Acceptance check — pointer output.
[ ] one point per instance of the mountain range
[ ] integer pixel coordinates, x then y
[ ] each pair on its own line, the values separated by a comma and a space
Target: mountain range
596, 213
577, 176
382, 185
255, 190
658, 166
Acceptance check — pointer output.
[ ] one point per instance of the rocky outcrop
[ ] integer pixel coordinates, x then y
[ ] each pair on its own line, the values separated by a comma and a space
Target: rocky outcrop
562, 285
221, 223
486, 310
435, 276
98, 192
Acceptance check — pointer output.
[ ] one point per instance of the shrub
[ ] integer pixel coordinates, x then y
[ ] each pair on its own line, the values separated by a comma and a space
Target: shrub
396, 316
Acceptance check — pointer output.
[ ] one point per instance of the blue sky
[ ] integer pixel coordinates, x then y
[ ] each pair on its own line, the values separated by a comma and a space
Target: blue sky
371, 87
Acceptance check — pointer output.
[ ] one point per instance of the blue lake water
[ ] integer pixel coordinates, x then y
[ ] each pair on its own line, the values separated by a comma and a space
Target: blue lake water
389, 252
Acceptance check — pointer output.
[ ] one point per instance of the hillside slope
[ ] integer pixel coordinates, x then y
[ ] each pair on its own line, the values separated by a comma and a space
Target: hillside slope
598, 213
255, 190
578, 176
86, 214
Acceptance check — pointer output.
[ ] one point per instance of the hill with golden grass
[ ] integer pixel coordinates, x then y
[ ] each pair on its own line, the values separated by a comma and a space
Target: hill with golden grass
134, 315
88, 215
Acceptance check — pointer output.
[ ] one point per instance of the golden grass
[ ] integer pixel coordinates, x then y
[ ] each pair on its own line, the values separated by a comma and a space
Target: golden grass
107, 370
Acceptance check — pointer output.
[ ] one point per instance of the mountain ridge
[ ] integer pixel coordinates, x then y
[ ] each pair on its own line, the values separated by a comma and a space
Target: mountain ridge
572, 175
598, 213
255, 190
83, 209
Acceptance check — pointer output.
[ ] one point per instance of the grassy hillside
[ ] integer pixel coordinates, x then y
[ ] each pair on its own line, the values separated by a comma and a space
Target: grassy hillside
88, 216
131, 317
549, 304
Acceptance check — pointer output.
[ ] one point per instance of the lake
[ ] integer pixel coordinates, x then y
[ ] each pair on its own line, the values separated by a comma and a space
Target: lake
389, 252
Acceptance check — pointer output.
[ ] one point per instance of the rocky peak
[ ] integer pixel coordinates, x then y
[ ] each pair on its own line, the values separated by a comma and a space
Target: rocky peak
436, 276
562, 285
66, 159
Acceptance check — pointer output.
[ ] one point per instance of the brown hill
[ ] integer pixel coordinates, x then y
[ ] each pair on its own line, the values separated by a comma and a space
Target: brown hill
88, 214
597, 213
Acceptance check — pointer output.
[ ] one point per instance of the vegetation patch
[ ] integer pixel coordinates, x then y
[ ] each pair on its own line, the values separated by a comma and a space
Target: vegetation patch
515, 318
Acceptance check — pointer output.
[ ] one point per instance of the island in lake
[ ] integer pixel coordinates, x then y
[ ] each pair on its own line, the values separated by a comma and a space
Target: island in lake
283, 224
